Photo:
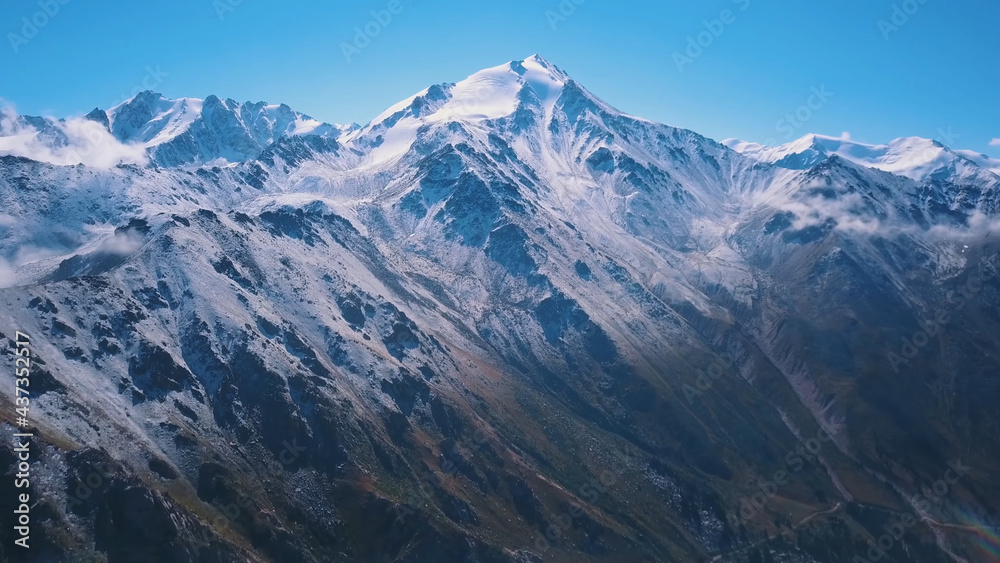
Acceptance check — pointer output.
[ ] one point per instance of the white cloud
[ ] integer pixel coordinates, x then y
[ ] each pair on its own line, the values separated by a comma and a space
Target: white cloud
849, 211
845, 136
995, 142
979, 227
88, 143
122, 244
30, 253
7, 276
852, 214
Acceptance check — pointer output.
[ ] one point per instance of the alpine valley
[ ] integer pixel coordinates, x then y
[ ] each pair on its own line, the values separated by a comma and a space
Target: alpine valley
502, 322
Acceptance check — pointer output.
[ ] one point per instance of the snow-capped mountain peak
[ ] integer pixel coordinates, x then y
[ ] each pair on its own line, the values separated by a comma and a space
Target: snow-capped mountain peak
913, 157
496, 92
198, 131
488, 94
526, 93
152, 119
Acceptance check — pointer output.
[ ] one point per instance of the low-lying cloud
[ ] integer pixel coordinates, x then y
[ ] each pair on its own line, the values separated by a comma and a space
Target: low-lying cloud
854, 214
979, 226
850, 212
7, 276
86, 142
121, 243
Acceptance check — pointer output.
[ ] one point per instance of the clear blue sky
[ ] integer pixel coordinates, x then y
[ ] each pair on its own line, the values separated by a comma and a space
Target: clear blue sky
938, 70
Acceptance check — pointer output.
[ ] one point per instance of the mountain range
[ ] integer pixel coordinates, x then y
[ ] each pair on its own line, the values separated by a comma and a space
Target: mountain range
501, 322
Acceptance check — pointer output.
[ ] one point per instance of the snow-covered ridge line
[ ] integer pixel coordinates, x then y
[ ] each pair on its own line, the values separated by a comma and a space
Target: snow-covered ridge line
913, 157
168, 132
211, 131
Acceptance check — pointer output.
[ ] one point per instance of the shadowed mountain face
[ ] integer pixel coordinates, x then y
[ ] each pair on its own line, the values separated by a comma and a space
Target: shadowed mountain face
502, 322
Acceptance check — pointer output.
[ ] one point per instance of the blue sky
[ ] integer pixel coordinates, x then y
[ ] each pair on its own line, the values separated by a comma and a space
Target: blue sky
931, 72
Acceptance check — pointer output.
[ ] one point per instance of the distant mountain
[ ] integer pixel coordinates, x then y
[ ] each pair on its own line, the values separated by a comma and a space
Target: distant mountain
193, 131
913, 157
501, 322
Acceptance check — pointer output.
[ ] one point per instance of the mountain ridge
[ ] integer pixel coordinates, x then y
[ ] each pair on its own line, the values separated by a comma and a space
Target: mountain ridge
296, 123
500, 323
